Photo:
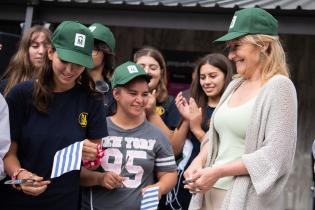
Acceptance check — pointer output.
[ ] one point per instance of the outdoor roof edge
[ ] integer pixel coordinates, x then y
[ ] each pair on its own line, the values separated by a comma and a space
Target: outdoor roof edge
228, 4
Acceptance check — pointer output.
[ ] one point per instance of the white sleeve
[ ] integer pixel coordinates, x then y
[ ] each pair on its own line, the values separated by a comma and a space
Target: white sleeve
4, 133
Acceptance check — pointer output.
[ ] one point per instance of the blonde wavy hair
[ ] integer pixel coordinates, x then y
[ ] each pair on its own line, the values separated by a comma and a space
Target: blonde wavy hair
273, 59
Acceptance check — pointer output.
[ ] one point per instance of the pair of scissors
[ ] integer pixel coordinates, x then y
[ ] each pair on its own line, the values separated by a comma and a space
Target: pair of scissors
188, 181
19, 181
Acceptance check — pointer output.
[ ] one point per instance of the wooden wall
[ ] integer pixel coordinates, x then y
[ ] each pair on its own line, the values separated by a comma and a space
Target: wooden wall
301, 58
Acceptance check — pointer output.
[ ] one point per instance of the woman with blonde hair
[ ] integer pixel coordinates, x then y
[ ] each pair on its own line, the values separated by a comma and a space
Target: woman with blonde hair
247, 157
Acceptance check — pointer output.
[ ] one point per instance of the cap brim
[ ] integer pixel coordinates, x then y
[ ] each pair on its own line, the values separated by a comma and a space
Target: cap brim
229, 36
75, 57
106, 41
127, 80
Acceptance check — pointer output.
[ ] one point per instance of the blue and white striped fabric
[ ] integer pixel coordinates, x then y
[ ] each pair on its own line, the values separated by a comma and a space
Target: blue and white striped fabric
67, 159
150, 200
166, 161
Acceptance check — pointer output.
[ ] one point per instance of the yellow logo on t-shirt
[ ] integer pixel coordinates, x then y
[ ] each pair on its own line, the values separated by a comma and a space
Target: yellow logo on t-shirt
159, 110
83, 119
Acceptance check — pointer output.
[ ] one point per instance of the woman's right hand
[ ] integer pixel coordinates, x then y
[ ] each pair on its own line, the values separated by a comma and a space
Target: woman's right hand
196, 119
110, 180
151, 104
35, 188
193, 168
90, 150
195, 114
182, 106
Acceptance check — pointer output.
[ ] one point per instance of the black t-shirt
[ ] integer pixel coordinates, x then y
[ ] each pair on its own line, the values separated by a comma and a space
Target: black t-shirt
73, 116
168, 112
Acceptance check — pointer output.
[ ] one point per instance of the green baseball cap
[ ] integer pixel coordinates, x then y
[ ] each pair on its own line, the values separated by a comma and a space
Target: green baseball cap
74, 43
126, 72
104, 34
250, 21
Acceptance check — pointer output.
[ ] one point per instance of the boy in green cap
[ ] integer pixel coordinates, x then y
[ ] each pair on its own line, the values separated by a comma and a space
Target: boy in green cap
247, 160
56, 110
137, 151
103, 55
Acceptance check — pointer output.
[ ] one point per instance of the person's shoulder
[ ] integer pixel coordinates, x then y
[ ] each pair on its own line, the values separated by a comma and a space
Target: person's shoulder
279, 88
167, 102
93, 96
280, 78
150, 127
21, 93
108, 121
25, 84
170, 97
23, 87
236, 81
279, 82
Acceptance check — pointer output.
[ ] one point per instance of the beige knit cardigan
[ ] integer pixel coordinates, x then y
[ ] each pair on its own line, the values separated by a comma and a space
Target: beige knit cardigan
270, 144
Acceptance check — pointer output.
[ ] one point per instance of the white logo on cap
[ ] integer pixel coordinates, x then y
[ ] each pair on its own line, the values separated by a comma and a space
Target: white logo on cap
132, 69
233, 21
92, 28
79, 40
